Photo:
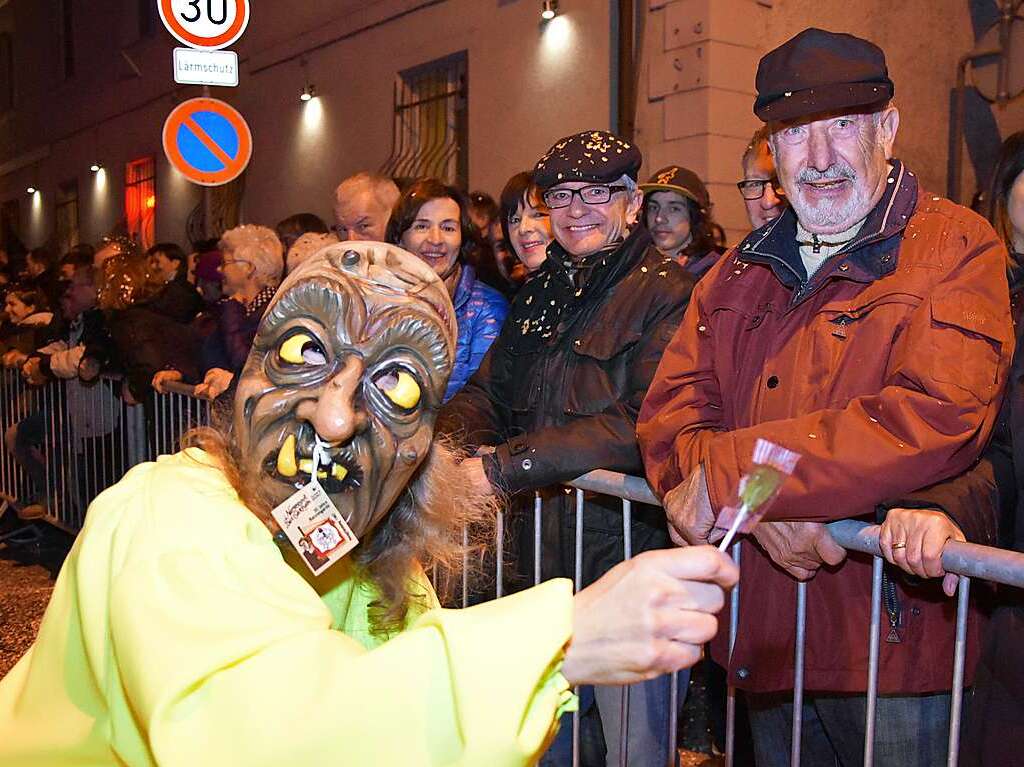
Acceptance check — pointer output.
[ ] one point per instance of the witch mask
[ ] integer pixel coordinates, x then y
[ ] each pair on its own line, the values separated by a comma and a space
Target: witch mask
353, 354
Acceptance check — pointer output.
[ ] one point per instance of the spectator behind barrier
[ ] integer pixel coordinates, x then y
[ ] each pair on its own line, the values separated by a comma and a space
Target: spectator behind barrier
204, 271
867, 328
431, 220
292, 228
153, 332
362, 205
306, 246
677, 211
995, 707
252, 264
26, 326
763, 196
558, 395
526, 224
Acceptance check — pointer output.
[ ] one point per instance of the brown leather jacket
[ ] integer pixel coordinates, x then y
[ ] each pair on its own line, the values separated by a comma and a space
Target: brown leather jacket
884, 371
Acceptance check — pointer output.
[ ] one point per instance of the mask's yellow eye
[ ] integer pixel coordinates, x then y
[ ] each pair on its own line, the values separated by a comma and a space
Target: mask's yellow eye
399, 387
302, 349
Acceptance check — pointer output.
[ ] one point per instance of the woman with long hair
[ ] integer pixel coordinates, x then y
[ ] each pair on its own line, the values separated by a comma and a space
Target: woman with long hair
432, 220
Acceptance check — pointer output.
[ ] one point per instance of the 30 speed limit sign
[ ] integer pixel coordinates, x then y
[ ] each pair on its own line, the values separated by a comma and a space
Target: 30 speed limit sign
205, 24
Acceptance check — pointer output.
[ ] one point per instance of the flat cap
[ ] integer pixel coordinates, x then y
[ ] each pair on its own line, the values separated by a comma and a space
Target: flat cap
819, 71
675, 178
596, 156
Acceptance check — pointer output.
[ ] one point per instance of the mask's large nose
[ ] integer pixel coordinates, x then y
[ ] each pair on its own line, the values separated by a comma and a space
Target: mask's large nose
335, 414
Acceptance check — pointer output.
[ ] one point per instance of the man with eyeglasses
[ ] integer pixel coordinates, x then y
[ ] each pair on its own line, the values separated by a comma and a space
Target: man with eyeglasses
558, 394
867, 328
362, 206
762, 193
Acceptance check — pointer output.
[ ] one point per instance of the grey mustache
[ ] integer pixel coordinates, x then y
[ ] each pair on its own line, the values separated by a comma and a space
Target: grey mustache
832, 173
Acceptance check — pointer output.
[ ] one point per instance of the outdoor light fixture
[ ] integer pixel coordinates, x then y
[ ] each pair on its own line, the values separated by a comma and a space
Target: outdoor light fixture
548, 9
308, 93
31, 191
96, 167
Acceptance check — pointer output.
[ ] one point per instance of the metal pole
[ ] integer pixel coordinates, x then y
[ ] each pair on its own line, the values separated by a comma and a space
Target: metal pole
499, 533
798, 672
465, 566
960, 651
578, 581
730, 701
537, 508
627, 553
876, 627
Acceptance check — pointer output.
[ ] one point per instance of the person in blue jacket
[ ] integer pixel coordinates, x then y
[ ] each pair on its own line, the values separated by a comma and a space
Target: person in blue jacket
431, 220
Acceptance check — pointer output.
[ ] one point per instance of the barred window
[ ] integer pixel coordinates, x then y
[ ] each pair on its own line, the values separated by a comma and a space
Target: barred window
431, 122
140, 200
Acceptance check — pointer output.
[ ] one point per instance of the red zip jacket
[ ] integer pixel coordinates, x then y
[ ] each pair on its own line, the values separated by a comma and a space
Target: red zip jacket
884, 371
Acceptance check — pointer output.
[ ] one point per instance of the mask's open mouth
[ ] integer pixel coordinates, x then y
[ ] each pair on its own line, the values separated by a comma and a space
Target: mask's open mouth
293, 465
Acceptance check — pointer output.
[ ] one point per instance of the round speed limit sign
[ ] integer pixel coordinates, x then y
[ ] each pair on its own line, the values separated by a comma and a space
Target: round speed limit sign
205, 24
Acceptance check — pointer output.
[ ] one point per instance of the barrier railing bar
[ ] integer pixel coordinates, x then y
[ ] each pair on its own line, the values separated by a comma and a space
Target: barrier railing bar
578, 581
538, 505
499, 567
959, 655
730, 695
798, 673
627, 553
873, 640
465, 566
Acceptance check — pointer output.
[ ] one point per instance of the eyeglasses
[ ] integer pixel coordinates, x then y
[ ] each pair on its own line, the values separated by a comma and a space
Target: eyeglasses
754, 189
595, 194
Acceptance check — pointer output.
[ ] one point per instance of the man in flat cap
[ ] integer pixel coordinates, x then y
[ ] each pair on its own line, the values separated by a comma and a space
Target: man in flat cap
559, 392
867, 328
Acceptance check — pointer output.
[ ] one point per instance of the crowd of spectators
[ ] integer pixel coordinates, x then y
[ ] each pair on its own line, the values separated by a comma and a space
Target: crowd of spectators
569, 291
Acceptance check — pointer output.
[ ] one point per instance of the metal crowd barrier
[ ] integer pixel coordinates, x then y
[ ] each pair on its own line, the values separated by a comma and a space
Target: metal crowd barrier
90, 438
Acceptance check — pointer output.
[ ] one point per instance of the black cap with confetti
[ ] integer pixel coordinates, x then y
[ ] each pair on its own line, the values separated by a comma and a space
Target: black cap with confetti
596, 156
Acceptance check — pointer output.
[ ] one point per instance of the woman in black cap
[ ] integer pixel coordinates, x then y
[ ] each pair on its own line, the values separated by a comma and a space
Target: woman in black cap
677, 210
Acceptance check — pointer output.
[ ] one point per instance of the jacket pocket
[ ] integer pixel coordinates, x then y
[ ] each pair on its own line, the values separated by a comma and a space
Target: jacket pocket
598, 373
967, 350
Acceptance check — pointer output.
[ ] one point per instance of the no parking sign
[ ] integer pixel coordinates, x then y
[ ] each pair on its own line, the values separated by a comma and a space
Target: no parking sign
205, 24
208, 141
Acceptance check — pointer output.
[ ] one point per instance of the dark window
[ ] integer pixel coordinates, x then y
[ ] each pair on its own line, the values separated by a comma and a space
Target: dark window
431, 122
66, 216
6, 72
67, 37
140, 200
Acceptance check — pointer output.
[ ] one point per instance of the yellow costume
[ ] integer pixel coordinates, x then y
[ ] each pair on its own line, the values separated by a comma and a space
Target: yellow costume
178, 635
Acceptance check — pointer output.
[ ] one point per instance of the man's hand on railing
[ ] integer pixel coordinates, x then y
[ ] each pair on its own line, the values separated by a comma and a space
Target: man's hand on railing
13, 358
799, 548
912, 539
688, 508
216, 382
648, 616
33, 372
165, 376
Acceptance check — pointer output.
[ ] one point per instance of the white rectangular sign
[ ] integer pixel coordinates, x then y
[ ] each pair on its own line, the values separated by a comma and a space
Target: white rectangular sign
205, 67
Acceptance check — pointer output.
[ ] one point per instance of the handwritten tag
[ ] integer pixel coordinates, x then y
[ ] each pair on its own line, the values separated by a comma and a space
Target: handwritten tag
315, 527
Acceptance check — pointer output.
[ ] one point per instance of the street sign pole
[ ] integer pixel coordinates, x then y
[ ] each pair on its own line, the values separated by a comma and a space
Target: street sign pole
207, 194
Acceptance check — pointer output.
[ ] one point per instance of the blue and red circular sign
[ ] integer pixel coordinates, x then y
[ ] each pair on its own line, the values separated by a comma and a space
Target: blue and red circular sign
208, 141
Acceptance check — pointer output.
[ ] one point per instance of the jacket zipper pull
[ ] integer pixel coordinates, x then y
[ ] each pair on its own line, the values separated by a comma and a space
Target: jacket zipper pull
892, 608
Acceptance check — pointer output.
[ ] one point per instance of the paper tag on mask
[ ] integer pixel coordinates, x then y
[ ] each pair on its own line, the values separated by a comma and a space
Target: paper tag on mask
315, 527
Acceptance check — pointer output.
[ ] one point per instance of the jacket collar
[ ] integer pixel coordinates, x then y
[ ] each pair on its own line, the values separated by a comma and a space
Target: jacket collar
869, 256
464, 287
602, 269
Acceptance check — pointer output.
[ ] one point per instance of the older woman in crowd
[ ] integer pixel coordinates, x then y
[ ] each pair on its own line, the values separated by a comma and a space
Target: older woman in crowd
431, 220
252, 264
678, 214
210, 614
525, 223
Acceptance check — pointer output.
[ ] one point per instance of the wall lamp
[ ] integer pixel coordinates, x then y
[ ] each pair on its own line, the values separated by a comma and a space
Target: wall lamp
548, 9
308, 93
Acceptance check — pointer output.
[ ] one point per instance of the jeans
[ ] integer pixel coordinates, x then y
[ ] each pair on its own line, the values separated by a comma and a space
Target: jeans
648, 725
910, 731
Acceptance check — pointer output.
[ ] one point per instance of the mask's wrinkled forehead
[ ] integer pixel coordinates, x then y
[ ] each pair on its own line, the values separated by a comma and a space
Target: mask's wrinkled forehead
370, 285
